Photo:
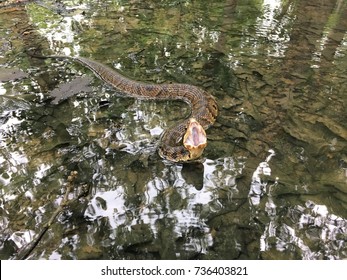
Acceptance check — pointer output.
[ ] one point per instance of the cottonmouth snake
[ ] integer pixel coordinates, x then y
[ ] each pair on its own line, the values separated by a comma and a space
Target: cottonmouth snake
185, 140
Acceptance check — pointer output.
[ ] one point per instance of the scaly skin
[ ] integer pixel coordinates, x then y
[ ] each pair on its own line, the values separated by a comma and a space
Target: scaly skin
204, 110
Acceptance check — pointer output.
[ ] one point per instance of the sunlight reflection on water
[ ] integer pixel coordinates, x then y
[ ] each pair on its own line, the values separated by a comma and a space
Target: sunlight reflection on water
160, 199
277, 71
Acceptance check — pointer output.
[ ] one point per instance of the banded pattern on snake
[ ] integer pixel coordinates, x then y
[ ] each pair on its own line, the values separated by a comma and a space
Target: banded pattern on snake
185, 140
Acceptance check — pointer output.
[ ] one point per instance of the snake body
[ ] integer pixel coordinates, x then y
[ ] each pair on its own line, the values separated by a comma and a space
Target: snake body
203, 106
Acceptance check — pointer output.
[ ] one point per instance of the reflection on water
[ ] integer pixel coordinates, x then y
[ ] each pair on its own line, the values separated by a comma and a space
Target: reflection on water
273, 180
168, 198
258, 188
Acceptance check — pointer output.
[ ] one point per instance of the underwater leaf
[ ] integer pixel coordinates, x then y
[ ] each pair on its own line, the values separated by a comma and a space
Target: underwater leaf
10, 74
66, 90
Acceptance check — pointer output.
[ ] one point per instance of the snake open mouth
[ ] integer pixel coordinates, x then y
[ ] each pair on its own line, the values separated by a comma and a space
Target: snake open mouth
195, 139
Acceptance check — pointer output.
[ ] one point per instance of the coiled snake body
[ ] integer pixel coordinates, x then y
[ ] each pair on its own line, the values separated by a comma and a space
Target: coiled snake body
185, 140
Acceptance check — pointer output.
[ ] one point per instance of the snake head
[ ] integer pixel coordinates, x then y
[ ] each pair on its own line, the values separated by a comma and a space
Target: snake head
195, 140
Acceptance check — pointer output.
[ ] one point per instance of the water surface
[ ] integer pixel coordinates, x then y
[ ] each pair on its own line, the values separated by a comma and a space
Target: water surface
273, 180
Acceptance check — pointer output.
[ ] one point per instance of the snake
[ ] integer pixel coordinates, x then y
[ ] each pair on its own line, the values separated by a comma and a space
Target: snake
184, 141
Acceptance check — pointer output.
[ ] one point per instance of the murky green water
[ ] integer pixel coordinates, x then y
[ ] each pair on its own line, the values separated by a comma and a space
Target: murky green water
273, 183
